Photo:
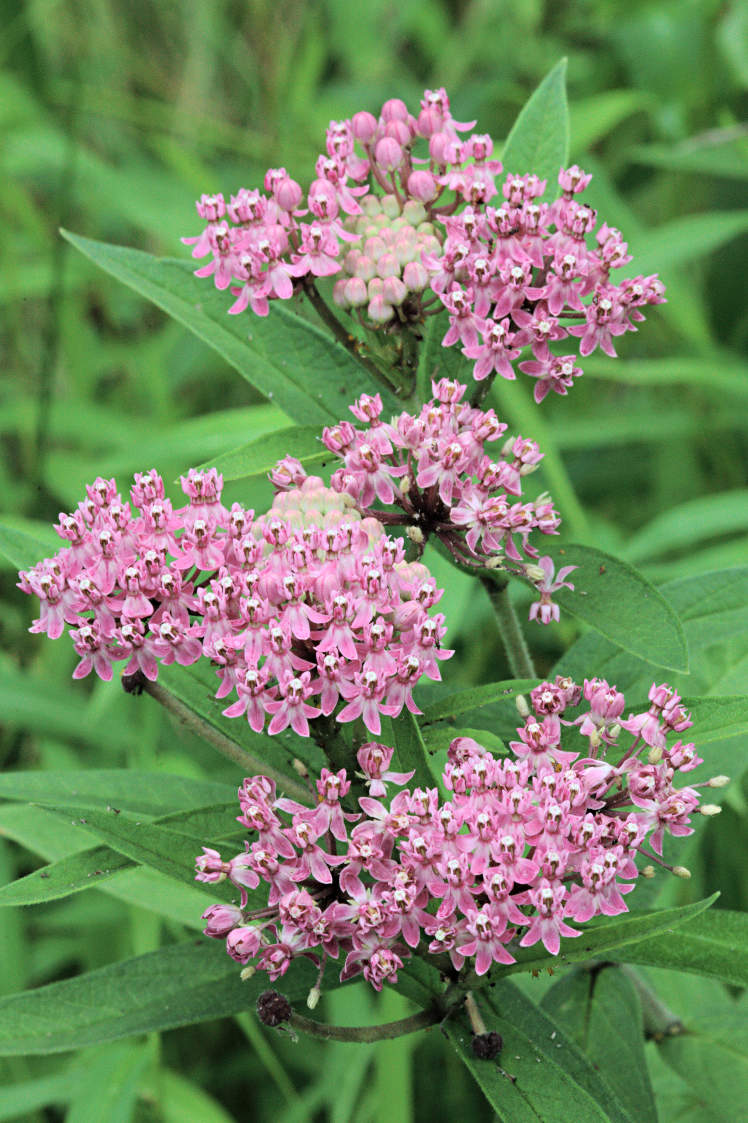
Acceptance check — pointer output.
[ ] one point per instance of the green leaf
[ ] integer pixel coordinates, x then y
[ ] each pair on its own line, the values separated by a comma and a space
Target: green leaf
690, 523
148, 844
719, 372
411, 750
711, 1056
539, 139
180, 1100
151, 793
600, 1010
87, 869
464, 701
600, 939
711, 159
715, 944
667, 247
553, 1080
69, 875
21, 1101
258, 457
712, 606
110, 1090
592, 118
435, 361
290, 361
195, 688
617, 601
175, 986
24, 549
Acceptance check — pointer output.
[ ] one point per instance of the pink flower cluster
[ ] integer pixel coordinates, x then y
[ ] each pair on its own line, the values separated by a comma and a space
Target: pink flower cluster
412, 233
433, 468
300, 609
523, 844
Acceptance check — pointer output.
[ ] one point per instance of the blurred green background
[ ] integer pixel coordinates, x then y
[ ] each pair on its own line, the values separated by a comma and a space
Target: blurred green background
115, 117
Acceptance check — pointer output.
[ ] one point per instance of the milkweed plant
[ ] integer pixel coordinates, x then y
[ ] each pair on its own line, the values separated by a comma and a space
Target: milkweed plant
382, 831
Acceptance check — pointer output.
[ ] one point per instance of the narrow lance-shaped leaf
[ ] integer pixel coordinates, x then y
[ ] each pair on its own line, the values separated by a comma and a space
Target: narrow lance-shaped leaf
539, 138
714, 943
150, 845
464, 701
602, 939
24, 549
87, 869
150, 793
545, 1076
290, 361
601, 1011
259, 456
411, 750
175, 986
617, 601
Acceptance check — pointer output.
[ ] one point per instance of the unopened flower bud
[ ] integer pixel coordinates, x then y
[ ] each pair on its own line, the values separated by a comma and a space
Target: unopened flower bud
339, 297
534, 573
399, 131
405, 485
440, 147
415, 534
709, 809
246, 973
648, 871
313, 998
395, 110
414, 213
614, 732
370, 205
300, 768
522, 707
415, 276
390, 206
388, 154
273, 1009
287, 194
366, 267
364, 126
394, 291
682, 872
654, 756
388, 266
719, 782
355, 292
379, 311
422, 186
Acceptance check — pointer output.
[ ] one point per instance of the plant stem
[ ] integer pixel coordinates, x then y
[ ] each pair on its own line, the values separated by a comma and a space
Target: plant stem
201, 728
338, 330
520, 660
480, 393
366, 1034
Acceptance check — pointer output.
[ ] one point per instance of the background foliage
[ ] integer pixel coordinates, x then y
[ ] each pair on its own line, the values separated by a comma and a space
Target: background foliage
115, 117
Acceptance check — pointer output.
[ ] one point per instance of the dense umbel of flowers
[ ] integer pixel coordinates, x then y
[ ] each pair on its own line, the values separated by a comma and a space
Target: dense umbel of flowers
522, 845
407, 234
434, 468
300, 609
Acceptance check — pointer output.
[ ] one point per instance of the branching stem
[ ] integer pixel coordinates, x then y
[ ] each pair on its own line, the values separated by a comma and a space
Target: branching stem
201, 728
338, 330
366, 1034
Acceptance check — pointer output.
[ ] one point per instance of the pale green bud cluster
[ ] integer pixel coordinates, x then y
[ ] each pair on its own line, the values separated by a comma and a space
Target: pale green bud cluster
385, 267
